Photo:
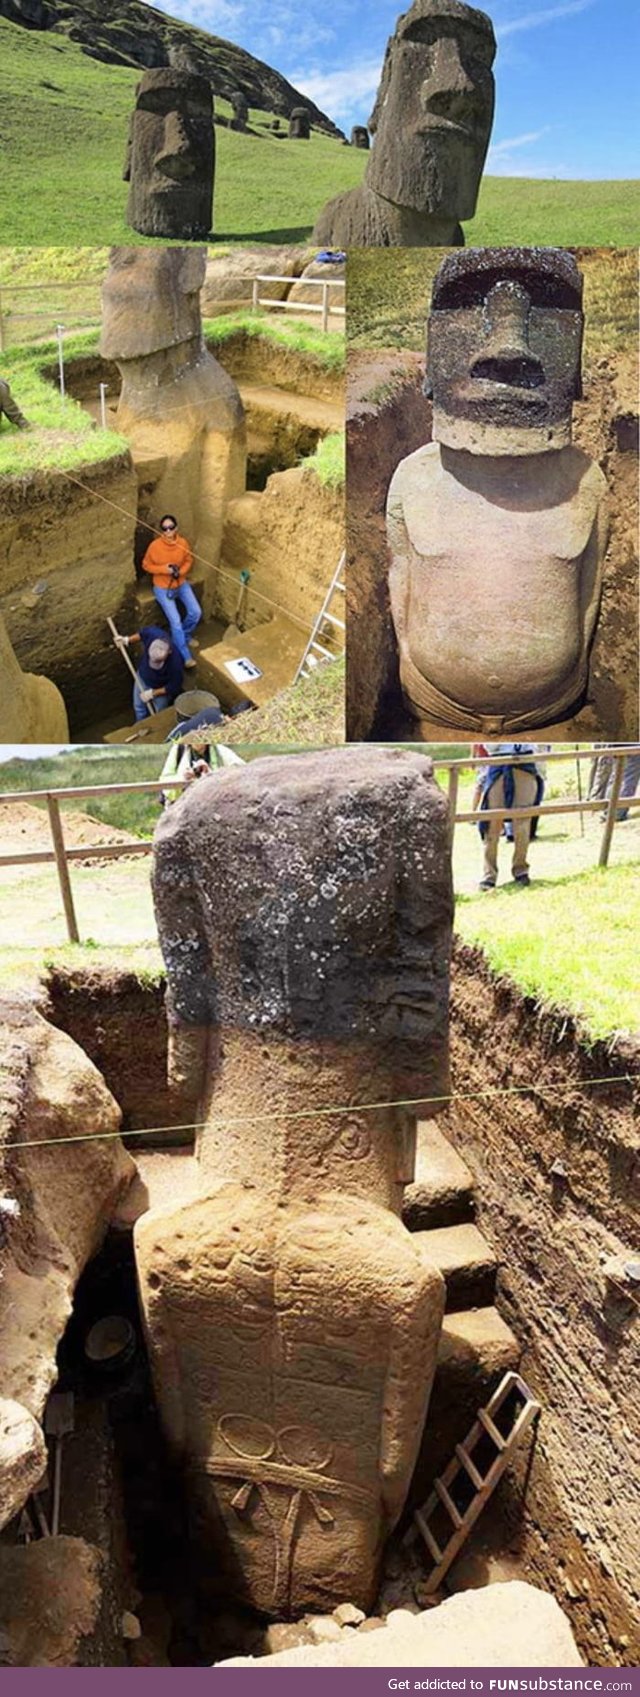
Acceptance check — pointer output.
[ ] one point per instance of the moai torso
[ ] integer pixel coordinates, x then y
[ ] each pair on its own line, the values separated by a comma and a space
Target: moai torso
431, 125
497, 530
180, 411
293, 1326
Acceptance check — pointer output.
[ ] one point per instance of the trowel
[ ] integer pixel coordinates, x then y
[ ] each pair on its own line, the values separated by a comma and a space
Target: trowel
58, 1423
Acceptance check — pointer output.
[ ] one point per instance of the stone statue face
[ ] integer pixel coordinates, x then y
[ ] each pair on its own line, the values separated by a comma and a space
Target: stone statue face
172, 153
504, 349
151, 300
434, 110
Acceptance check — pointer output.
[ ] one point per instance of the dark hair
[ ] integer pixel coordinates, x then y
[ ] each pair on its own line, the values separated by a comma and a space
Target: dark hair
172, 518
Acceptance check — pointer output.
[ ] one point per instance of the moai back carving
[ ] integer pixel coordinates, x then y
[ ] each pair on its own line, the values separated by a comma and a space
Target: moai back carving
304, 912
497, 529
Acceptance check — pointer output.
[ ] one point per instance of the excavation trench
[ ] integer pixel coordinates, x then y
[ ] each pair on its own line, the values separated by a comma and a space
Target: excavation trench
75, 539
553, 1161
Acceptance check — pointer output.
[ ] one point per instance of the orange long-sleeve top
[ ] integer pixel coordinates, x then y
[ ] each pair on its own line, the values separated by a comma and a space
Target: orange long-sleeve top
166, 551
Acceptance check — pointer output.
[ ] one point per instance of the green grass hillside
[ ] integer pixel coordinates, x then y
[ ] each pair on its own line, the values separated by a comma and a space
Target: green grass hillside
64, 124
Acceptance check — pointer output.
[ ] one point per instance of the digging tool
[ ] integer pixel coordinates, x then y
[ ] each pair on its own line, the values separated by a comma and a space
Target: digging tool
236, 628
40, 1516
58, 1423
116, 637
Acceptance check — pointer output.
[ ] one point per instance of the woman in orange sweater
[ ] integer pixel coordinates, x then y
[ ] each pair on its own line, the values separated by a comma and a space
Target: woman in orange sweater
169, 560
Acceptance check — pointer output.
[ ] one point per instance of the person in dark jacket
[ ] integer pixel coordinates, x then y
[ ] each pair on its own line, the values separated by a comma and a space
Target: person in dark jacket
9, 409
160, 670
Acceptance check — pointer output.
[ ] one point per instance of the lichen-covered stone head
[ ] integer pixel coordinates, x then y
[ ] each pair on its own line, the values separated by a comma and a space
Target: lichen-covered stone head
151, 300
434, 111
504, 349
171, 155
360, 136
300, 124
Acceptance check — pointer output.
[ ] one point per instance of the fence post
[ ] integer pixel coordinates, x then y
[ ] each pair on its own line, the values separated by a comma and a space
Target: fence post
63, 869
453, 799
325, 306
103, 405
255, 294
612, 809
60, 334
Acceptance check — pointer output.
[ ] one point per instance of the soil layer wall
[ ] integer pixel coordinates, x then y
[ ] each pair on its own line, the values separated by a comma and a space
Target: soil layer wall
575, 1501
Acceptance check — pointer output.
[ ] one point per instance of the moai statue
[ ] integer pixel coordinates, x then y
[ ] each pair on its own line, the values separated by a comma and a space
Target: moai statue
170, 159
31, 708
181, 413
360, 136
431, 122
240, 108
304, 912
300, 124
497, 529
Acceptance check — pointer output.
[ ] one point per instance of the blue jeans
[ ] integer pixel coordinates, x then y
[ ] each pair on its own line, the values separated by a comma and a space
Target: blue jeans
140, 708
168, 600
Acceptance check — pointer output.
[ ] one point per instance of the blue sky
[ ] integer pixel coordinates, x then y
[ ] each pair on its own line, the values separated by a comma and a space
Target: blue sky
566, 71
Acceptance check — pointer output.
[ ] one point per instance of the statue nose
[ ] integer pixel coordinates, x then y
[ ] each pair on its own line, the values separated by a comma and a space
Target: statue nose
175, 157
505, 356
448, 88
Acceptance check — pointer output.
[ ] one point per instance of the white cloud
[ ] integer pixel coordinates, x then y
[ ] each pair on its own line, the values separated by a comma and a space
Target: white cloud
339, 92
534, 20
499, 148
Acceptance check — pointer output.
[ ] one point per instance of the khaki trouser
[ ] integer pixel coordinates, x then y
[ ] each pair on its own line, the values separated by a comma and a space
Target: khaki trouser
525, 786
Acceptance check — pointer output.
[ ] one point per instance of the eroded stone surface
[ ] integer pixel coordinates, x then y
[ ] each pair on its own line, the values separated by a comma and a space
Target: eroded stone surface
63, 1574
180, 411
306, 946
171, 155
431, 122
23, 1457
32, 708
501, 510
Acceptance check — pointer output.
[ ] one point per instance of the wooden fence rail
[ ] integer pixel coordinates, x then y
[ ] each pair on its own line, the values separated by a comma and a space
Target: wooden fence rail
61, 855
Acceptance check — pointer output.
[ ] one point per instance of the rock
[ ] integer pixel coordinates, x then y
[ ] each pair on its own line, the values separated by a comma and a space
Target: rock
32, 708
171, 155
229, 276
420, 178
180, 412
49, 1601
452, 516
130, 1626
23, 1457
499, 1626
323, 1629
347, 1614
290, 1284
284, 1636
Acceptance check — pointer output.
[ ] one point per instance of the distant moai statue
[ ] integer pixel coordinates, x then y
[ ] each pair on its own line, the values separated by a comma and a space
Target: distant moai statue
276, 125
304, 910
170, 162
300, 124
360, 137
240, 107
431, 125
500, 510
180, 411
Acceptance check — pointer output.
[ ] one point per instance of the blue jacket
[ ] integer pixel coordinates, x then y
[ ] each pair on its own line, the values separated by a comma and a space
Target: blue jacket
167, 677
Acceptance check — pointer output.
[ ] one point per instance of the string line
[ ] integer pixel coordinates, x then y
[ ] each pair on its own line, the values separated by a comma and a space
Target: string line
318, 1113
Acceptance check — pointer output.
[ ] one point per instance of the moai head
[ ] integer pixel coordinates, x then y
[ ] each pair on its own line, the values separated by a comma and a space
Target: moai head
434, 111
171, 153
300, 124
504, 349
240, 109
151, 300
360, 136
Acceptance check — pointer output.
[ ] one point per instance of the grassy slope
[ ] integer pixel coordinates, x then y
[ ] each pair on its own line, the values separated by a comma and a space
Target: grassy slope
64, 436
72, 190
266, 189
389, 295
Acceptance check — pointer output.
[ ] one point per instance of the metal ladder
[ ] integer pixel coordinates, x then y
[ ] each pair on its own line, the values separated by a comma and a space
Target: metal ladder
315, 652
500, 1427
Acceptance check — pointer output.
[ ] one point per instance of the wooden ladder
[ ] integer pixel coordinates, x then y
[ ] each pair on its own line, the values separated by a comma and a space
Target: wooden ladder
316, 652
467, 1483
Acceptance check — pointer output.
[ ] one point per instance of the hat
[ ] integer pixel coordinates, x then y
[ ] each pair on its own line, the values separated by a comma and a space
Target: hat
159, 651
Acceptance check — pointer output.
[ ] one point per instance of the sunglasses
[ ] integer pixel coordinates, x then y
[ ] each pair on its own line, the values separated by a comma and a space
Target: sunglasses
169, 529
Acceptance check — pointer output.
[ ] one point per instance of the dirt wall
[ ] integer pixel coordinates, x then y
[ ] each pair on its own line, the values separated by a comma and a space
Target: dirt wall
68, 566
119, 1020
387, 419
254, 359
579, 1529
265, 528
